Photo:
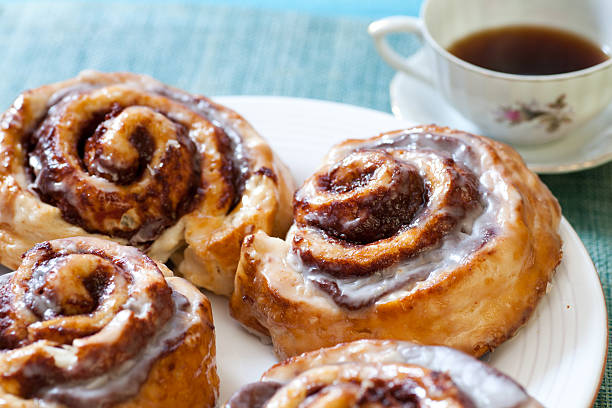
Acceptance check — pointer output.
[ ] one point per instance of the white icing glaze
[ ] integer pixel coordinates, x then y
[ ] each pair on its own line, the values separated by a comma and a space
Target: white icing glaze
34, 294
484, 385
126, 380
454, 249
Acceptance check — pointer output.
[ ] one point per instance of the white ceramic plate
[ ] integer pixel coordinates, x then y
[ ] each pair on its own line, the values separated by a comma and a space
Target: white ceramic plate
558, 356
585, 147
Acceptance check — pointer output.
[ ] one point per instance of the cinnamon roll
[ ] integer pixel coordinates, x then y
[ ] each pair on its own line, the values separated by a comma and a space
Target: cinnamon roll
125, 157
425, 234
374, 373
86, 322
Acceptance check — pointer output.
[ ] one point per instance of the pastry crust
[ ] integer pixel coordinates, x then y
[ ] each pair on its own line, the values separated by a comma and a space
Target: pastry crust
125, 157
385, 372
90, 323
466, 271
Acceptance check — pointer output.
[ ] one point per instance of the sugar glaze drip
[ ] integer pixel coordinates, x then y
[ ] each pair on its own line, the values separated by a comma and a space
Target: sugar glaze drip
105, 156
84, 320
475, 224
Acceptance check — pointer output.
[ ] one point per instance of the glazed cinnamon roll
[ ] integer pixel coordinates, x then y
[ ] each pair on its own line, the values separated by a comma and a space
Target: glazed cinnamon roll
128, 158
86, 322
374, 373
426, 234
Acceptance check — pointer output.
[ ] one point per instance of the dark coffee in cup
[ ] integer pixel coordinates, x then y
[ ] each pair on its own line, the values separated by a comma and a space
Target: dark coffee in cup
528, 50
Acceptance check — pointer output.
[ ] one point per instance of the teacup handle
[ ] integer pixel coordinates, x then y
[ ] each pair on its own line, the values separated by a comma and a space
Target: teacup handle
379, 29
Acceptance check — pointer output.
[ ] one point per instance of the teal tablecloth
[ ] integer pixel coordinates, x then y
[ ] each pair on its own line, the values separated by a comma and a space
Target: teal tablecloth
231, 49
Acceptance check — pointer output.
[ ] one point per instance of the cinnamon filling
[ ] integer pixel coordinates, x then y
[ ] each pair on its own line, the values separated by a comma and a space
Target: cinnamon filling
408, 394
369, 197
73, 313
123, 167
100, 158
355, 385
236, 169
394, 202
254, 395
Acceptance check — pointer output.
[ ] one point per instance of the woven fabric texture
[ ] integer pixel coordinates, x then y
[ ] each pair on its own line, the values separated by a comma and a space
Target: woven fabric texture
223, 50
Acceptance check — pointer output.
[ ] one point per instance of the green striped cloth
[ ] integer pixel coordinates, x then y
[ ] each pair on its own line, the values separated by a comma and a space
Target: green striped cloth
221, 50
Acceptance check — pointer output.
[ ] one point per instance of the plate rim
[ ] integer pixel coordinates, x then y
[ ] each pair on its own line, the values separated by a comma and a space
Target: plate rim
582, 248
537, 168
564, 223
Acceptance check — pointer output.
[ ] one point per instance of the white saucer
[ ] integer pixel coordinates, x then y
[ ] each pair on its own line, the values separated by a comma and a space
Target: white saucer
558, 356
585, 147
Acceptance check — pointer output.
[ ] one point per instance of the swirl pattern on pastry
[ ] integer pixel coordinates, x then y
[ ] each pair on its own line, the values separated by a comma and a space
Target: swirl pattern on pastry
86, 322
126, 157
424, 234
372, 373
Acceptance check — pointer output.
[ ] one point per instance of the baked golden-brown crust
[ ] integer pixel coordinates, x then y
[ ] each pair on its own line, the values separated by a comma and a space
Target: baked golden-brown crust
125, 157
86, 322
374, 373
474, 249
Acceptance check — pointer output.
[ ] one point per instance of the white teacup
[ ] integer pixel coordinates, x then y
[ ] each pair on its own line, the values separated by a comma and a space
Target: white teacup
519, 109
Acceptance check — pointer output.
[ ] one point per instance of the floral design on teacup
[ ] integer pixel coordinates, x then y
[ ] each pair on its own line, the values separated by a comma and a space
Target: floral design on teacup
553, 115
